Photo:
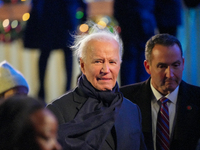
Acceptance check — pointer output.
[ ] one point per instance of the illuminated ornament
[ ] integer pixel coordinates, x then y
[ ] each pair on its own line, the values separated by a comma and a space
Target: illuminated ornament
189, 107
5, 23
118, 29
14, 24
79, 14
111, 29
25, 16
7, 29
84, 28
105, 19
102, 24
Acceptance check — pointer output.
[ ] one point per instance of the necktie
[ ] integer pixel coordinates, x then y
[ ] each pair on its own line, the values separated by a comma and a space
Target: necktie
162, 133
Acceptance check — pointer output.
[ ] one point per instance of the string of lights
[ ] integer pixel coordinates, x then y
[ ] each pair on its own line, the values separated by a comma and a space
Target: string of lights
12, 29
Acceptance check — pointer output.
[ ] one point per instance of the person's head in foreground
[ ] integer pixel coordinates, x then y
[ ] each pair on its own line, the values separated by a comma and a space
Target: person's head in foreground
12, 82
100, 57
25, 124
164, 62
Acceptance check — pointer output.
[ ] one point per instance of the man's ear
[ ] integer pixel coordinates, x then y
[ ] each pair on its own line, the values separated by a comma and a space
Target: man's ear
147, 66
82, 65
183, 62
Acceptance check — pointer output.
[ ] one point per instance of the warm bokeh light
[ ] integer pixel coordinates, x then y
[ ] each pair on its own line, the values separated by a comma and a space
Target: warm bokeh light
5, 23
23, 0
84, 28
25, 16
14, 24
118, 28
105, 19
102, 24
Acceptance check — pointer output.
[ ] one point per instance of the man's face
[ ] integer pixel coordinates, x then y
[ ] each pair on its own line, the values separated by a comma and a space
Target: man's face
102, 64
166, 68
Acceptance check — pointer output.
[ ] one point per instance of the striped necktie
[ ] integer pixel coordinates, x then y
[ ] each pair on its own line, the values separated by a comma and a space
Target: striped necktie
162, 133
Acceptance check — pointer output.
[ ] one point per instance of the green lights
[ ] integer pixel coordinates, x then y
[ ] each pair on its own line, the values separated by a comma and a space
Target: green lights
79, 14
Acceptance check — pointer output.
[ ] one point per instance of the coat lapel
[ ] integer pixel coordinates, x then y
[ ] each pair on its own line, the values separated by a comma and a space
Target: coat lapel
143, 100
185, 113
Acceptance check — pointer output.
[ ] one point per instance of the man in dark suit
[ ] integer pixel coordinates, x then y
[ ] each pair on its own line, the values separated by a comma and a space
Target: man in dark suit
165, 63
95, 115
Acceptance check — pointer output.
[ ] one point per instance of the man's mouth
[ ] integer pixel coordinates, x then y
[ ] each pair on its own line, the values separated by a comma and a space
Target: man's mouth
104, 79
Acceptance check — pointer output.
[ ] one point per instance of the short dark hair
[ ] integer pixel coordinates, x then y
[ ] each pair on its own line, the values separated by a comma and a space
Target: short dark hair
162, 39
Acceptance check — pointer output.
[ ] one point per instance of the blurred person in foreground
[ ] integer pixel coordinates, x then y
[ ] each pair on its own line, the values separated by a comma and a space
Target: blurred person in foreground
95, 115
25, 124
165, 63
12, 82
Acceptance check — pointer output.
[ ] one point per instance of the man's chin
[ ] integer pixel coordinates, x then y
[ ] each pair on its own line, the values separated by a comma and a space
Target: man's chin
104, 88
170, 88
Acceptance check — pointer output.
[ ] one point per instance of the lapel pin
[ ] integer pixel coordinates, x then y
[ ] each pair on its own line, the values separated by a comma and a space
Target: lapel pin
189, 107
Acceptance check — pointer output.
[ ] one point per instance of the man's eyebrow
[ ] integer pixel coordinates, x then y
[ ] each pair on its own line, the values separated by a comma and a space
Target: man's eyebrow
178, 61
160, 63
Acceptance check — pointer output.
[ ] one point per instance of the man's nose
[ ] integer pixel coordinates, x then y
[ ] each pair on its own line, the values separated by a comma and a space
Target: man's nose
105, 68
169, 72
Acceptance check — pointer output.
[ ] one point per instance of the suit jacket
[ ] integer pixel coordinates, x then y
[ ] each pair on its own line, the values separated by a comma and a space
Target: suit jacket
127, 125
187, 126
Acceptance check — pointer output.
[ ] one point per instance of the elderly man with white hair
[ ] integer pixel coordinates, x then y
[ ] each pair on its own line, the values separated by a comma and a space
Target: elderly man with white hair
95, 115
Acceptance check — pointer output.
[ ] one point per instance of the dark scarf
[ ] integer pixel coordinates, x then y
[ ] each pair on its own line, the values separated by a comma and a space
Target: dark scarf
95, 119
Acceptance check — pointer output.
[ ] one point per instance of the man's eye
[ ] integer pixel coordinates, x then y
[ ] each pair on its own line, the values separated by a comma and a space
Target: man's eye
97, 61
176, 65
162, 66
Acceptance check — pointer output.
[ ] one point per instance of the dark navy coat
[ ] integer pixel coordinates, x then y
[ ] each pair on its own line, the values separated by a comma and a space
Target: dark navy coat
128, 122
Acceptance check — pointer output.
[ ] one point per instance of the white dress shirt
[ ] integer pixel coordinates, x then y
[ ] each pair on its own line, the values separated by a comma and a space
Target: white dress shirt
155, 107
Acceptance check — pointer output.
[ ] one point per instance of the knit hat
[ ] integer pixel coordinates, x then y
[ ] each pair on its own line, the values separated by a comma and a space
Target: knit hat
10, 77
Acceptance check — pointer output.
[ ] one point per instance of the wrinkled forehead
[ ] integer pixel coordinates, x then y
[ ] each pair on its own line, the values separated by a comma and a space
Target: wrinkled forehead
99, 37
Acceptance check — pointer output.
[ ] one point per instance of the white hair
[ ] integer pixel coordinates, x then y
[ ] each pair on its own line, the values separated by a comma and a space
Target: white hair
98, 33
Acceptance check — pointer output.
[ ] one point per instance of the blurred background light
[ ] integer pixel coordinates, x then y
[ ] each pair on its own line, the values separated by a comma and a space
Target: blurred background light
102, 24
79, 14
25, 16
84, 28
5, 23
14, 24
